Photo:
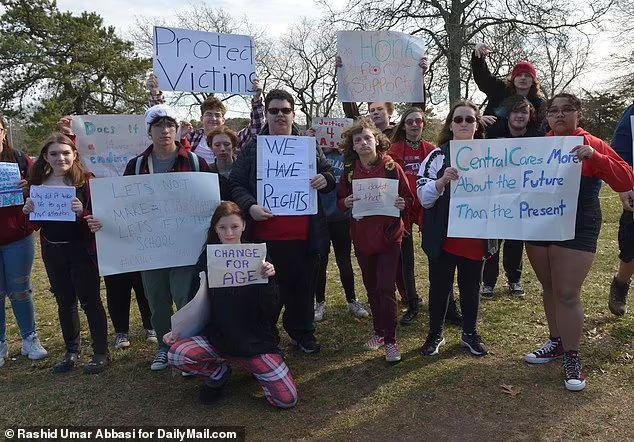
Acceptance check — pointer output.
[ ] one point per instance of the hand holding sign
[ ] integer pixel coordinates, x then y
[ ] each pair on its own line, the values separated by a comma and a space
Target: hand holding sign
53, 203
583, 152
235, 265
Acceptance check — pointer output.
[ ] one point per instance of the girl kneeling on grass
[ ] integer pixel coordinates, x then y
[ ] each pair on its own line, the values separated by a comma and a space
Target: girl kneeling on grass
562, 266
240, 329
68, 252
377, 239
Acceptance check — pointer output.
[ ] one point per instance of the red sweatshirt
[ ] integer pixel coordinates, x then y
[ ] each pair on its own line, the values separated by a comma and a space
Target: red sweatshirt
410, 160
14, 225
375, 234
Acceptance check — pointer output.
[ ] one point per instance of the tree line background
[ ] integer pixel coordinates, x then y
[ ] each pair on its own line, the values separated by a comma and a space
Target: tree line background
54, 63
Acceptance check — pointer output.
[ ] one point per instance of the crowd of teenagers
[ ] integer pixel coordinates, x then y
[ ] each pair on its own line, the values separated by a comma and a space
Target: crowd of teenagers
242, 329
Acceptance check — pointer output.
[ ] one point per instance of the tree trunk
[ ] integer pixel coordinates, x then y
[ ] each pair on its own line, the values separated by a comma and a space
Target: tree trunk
455, 36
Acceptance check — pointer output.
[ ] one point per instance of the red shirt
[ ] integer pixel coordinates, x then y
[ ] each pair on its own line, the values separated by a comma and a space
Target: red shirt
465, 247
283, 228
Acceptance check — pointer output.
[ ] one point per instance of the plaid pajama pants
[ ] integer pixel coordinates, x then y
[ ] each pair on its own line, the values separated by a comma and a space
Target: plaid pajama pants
197, 356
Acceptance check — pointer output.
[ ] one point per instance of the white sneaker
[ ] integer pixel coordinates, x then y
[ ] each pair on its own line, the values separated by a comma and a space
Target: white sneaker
357, 310
150, 336
320, 311
121, 341
160, 361
32, 348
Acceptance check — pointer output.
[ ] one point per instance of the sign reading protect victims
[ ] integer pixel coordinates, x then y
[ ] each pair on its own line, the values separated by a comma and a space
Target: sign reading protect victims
286, 164
515, 188
235, 265
197, 61
153, 221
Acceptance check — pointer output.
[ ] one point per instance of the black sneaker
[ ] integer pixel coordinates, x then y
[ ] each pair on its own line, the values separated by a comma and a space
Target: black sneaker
67, 364
208, 395
618, 297
432, 344
574, 380
222, 380
487, 292
516, 289
97, 364
308, 344
410, 315
474, 344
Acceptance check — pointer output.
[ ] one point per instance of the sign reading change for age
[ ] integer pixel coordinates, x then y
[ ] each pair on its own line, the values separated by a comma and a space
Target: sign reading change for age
197, 61
515, 188
235, 265
152, 221
286, 165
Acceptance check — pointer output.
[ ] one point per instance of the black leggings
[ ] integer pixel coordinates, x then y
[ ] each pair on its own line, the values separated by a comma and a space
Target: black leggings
339, 232
118, 294
406, 280
441, 278
512, 262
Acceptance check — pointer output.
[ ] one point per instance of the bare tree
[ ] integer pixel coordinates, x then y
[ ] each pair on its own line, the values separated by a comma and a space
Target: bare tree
450, 26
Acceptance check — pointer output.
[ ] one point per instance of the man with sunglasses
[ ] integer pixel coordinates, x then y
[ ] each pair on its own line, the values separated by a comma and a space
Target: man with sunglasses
286, 237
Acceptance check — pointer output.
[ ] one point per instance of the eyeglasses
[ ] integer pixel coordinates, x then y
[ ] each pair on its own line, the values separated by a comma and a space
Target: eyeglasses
164, 125
212, 115
275, 110
414, 122
553, 111
458, 119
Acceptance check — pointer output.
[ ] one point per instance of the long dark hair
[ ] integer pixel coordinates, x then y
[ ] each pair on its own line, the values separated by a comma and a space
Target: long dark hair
534, 92
226, 208
8, 154
445, 133
382, 142
398, 133
77, 175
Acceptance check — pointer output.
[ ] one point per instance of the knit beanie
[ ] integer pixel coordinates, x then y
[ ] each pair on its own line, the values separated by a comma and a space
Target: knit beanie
524, 67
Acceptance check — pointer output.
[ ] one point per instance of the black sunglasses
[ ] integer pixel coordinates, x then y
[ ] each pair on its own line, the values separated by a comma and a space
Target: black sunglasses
459, 119
275, 110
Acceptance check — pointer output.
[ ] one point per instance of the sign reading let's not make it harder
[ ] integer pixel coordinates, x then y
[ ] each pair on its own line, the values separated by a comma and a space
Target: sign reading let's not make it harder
196, 61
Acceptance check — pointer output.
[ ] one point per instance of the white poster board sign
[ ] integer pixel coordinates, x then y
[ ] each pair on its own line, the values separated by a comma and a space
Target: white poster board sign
193, 317
52, 203
328, 131
10, 193
380, 66
107, 142
197, 61
153, 221
235, 265
285, 166
515, 188
377, 197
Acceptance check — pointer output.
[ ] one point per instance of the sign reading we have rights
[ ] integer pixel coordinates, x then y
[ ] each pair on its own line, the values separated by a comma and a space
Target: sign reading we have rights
380, 66
234, 265
197, 61
285, 166
107, 142
515, 188
153, 221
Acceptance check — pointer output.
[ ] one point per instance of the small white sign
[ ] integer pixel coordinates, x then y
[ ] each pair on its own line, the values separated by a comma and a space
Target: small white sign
52, 203
377, 197
10, 193
235, 265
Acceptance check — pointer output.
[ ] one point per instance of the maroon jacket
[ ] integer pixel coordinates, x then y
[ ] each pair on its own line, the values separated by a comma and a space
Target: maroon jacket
14, 225
372, 235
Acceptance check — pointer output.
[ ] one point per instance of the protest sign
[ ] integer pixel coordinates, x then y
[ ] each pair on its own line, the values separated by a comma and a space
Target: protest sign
515, 188
285, 166
235, 265
380, 66
10, 192
328, 131
377, 197
193, 317
52, 203
197, 61
153, 221
107, 142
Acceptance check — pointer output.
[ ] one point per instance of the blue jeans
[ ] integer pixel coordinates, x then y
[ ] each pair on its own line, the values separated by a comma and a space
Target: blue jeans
16, 261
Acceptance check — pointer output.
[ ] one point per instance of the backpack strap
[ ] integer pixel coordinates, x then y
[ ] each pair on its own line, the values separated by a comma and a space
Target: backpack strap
194, 162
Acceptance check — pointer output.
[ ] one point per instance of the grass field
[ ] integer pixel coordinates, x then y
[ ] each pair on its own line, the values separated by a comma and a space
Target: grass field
348, 393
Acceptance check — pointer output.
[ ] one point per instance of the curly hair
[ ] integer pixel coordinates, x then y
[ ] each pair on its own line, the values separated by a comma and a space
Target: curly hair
445, 133
382, 142
77, 175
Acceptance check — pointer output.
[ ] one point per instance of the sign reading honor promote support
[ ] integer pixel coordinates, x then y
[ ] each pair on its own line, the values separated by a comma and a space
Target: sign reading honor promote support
10, 192
52, 203
377, 197
286, 165
235, 265
380, 66
153, 221
515, 188
197, 61
328, 131
107, 142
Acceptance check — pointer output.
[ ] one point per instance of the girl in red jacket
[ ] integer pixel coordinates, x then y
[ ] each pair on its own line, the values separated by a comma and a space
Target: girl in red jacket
562, 266
376, 239
17, 251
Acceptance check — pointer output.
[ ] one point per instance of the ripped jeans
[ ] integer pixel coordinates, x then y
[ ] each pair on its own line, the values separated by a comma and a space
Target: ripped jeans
16, 260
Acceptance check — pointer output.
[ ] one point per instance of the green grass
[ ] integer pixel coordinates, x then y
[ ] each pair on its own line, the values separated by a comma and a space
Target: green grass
348, 393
